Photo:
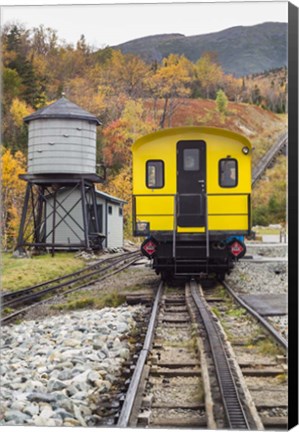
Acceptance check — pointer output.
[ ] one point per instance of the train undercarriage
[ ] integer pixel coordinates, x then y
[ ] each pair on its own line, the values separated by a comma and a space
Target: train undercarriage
193, 255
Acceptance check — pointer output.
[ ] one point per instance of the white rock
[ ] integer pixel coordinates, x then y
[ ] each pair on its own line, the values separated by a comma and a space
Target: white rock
32, 409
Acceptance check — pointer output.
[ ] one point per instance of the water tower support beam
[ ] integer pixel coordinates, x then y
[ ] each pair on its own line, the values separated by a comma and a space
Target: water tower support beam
40, 228
20, 242
54, 223
94, 199
84, 211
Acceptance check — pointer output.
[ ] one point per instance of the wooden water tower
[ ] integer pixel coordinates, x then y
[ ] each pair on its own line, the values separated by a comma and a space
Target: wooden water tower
61, 166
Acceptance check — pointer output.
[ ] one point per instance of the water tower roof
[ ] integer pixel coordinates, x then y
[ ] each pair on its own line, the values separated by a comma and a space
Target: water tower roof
62, 109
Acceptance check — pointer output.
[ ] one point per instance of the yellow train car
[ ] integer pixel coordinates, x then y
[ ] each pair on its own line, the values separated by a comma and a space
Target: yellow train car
192, 199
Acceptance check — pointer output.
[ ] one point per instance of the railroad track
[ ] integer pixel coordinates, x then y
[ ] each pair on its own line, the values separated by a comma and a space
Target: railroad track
264, 322
174, 384
268, 159
35, 295
260, 351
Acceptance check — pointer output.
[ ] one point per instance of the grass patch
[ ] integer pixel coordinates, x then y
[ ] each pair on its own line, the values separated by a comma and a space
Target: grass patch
236, 312
18, 273
282, 378
8, 310
82, 301
216, 311
80, 304
266, 346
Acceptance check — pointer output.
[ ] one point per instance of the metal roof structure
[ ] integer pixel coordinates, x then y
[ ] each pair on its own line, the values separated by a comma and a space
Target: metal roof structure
62, 109
110, 197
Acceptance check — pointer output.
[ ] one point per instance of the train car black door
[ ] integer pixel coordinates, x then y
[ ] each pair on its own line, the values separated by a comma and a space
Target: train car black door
191, 183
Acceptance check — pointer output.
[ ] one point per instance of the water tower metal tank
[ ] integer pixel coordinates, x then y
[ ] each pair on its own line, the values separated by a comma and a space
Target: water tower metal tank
62, 139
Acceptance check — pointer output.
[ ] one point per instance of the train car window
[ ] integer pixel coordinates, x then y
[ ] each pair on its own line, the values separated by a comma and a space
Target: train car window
228, 173
191, 159
110, 210
154, 174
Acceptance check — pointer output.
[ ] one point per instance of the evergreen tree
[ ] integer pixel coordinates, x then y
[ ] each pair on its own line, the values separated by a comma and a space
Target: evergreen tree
221, 101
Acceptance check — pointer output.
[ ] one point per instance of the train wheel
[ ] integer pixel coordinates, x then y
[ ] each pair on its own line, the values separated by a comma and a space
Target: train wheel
167, 277
221, 276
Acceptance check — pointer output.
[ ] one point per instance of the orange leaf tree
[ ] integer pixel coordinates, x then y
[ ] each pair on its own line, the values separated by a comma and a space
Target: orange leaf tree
119, 137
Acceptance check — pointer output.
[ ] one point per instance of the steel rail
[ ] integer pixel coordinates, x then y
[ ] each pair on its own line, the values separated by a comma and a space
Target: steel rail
124, 418
24, 310
235, 414
269, 157
25, 298
61, 278
280, 339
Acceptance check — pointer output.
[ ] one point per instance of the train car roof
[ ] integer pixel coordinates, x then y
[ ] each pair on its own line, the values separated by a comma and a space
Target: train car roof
185, 130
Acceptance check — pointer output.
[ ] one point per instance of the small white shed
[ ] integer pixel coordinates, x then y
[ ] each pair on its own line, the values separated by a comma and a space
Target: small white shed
69, 219
113, 220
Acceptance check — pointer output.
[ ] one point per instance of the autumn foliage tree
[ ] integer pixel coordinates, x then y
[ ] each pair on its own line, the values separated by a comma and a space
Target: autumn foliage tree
209, 74
120, 134
172, 82
12, 193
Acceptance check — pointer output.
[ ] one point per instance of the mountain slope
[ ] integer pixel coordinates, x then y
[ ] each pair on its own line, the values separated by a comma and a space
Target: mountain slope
241, 50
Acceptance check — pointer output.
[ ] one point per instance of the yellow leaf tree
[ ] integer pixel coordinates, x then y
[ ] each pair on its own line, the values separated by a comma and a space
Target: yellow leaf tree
172, 82
12, 193
209, 73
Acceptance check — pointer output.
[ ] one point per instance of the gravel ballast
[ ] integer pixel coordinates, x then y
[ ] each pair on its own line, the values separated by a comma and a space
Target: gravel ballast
255, 278
53, 371
263, 278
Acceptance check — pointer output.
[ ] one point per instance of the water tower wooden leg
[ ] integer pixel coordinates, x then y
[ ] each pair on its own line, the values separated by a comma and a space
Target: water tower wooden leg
20, 242
84, 211
94, 199
54, 223
96, 216
39, 235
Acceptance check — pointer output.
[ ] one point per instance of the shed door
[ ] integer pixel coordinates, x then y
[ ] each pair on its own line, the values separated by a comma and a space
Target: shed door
191, 183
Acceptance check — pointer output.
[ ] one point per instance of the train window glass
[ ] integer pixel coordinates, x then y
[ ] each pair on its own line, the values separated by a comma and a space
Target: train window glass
228, 172
110, 210
191, 159
155, 174
120, 211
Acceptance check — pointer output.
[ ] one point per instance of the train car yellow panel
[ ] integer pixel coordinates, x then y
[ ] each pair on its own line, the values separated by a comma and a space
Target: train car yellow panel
148, 205
228, 204
231, 222
193, 229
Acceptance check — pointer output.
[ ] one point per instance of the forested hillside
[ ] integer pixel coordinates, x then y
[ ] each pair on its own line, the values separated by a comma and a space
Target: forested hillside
131, 98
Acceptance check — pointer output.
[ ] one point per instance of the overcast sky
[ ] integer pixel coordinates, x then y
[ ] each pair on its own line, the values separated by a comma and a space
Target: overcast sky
111, 24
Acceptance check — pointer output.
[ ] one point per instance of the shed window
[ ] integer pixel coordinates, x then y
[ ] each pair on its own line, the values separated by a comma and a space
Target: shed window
228, 173
154, 174
191, 159
110, 210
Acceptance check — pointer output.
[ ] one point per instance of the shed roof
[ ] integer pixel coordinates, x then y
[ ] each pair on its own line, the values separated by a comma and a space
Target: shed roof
62, 109
110, 197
